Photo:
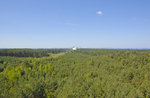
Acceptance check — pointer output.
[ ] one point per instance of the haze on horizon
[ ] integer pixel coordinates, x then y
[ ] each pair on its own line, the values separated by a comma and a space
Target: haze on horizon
67, 23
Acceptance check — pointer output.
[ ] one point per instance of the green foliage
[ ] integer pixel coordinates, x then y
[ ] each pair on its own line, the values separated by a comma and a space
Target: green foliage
94, 73
30, 52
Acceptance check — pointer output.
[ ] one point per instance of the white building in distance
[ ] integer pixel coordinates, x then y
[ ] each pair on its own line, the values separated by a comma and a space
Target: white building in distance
74, 48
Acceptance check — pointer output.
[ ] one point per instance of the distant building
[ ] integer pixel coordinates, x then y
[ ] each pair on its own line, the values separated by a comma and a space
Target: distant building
74, 48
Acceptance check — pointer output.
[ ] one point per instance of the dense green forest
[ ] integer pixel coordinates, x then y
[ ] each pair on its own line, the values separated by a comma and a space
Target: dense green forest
30, 52
94, 73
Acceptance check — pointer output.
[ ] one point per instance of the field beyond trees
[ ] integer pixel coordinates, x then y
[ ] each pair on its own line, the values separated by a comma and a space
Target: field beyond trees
62, 73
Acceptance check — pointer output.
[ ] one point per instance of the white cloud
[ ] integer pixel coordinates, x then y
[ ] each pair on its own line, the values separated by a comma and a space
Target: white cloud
99, 12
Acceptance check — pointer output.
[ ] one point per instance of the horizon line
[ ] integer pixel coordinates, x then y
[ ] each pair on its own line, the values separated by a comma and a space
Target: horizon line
78, 48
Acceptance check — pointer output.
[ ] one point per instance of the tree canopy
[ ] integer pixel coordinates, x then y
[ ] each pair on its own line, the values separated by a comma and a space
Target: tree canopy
104, 73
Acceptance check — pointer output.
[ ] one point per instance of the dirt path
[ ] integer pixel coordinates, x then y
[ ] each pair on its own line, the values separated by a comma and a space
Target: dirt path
57, 55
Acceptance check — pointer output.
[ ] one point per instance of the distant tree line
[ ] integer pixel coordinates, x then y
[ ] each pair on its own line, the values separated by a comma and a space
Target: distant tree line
29, 52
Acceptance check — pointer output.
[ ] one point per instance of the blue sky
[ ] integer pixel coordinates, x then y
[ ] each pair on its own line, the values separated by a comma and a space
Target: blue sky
83, 23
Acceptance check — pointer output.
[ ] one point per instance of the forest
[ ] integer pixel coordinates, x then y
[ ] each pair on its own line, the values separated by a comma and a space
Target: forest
30, 52
84, 73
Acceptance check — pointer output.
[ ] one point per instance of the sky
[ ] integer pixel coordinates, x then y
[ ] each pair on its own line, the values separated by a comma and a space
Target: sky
68, 23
